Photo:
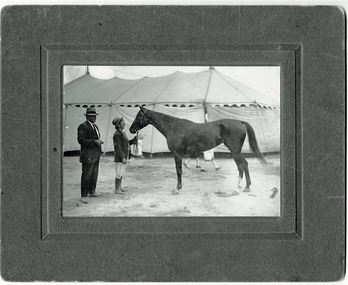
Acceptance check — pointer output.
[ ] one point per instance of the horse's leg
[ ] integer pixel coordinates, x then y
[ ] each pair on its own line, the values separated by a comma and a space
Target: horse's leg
178, 164
244, 165
240, 170
235, 147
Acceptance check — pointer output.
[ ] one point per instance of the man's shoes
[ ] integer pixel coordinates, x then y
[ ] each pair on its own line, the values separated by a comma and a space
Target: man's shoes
94, 195
217, 168
84, 200
203, 170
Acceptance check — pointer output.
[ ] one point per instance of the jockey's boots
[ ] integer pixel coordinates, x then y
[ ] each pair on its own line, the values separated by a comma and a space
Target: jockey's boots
118, 186
123, 190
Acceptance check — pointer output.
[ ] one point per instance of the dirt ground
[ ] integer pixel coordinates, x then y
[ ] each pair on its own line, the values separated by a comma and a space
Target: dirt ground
149, 189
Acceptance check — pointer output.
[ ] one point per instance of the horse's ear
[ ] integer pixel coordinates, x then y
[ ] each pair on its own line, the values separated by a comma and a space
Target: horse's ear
142, 109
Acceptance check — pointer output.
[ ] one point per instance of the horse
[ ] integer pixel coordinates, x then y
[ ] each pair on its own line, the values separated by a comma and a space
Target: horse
185, 137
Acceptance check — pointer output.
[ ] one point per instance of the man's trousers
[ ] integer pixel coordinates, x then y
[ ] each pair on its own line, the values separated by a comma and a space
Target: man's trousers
89, 178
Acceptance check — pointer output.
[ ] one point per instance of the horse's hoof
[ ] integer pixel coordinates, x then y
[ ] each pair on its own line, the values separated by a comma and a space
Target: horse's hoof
175, 192
235, 193
246, 189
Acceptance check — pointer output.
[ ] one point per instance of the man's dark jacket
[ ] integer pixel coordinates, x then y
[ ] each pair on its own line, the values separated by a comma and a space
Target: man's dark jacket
86, 136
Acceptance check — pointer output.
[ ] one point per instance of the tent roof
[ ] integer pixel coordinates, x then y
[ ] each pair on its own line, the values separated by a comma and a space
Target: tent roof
223, 89
177, 87
90, 90
208, 86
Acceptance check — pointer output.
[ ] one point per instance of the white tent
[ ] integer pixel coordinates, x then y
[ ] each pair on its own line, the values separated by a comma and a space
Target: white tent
194, 96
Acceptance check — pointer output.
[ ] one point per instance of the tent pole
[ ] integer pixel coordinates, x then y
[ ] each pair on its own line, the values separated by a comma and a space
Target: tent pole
152, 127
206, 95
107, 131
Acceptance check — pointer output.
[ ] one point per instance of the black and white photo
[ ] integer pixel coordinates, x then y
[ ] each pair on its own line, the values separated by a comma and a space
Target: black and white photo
171, 141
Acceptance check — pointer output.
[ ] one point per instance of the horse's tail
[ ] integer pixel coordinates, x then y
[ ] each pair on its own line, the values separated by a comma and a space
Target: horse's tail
253, 142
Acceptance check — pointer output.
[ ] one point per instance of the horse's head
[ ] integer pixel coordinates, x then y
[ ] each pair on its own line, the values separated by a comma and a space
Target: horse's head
140, 121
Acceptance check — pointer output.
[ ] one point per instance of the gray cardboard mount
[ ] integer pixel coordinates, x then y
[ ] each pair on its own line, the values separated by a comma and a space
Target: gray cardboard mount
307, 243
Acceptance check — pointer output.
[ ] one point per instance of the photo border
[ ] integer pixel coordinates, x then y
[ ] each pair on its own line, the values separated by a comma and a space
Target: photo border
38, 36
55, 57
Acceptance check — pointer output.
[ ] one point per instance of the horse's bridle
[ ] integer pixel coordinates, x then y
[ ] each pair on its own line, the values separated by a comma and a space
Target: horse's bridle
142, 120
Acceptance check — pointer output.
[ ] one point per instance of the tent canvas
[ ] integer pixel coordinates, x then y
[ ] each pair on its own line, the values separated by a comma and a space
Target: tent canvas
153, 141
265, 122
198, 96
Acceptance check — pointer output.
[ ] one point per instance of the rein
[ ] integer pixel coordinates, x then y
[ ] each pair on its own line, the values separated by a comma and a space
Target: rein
135, 147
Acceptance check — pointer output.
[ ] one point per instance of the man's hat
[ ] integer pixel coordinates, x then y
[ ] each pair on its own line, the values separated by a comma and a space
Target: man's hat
117, 121
91, 111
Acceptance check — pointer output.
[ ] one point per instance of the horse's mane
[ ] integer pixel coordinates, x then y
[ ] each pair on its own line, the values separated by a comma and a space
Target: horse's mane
165, 116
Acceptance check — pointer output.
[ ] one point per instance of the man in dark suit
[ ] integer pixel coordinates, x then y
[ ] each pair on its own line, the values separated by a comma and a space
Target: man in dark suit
88, 136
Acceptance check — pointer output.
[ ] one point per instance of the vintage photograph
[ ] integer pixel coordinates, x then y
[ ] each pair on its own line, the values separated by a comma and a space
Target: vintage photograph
171, 141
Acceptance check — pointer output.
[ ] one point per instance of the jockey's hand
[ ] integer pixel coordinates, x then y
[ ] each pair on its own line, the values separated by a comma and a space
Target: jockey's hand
99, 142
124, 161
